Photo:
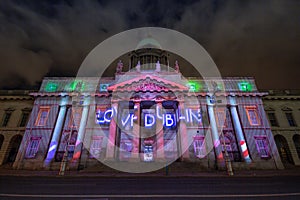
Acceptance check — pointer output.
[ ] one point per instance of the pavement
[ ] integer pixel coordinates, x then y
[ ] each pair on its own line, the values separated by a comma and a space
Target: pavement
295, 171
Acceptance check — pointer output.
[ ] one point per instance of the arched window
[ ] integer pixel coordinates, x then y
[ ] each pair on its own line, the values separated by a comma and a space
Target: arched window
13, 148
296, 139
283, 149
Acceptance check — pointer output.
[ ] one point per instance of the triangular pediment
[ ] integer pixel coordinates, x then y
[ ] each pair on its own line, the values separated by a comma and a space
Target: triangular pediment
147, 83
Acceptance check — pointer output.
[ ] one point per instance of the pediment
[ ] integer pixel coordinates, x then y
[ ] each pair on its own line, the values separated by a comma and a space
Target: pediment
147, 83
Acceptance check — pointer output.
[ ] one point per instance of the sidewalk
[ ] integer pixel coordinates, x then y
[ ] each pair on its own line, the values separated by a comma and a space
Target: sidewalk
241, 173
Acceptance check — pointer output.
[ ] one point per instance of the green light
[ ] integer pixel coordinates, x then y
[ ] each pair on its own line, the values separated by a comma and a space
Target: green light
51, 87
245, 86
71, 86
83, 86
194, 86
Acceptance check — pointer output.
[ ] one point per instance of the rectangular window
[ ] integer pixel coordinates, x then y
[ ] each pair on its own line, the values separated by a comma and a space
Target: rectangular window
6, 118
42, 116
24, 119
199, 147
262, 146
33, 147
272, 119
252, 114
290, 119
220, 118
75, 118
96, 146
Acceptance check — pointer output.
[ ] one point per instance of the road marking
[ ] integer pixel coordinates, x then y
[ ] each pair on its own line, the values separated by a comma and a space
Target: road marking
149, 195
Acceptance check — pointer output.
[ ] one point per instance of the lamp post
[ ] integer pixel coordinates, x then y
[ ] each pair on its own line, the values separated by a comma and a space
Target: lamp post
227, 160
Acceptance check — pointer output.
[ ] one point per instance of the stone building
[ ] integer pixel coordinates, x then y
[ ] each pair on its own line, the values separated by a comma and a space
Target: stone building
149, 114
283, 111
15, 109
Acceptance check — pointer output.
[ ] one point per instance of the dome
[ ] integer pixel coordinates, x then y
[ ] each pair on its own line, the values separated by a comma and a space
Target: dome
148, 42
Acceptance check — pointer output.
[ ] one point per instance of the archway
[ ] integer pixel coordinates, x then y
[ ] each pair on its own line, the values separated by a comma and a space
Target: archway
296, 139
283, 149
13, 148
1, 140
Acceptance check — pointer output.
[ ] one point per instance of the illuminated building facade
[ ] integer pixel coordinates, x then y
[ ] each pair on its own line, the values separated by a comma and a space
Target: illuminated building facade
148, 114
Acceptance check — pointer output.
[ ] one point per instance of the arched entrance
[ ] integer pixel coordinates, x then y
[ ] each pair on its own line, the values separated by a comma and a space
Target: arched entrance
283, 149
13, 148
296, 139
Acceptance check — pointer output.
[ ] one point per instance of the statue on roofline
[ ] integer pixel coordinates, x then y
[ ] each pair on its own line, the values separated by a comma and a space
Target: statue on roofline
119, 67
176, 66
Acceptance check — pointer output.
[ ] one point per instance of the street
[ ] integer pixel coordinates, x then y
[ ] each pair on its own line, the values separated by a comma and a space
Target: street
26, 187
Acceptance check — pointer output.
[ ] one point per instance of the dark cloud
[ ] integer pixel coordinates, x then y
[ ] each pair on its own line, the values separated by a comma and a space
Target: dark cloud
245, 38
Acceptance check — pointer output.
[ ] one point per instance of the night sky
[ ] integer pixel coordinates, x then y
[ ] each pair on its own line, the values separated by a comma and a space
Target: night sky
258, 38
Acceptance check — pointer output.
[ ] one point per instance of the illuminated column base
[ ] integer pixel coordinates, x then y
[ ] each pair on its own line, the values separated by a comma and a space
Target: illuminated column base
239, 131
56, 133
81, 132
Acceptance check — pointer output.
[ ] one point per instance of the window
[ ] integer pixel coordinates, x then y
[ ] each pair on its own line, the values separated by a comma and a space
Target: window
290, 119
42, 116
24, 119
252, 115
272, 119
6, 118
75, 118
199, 147
221, 118
96, 145
33, 147
262, 146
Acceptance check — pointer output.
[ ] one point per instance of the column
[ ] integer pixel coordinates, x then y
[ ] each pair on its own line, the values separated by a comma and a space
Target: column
81, 131
238, 130
57, 131
184, 145
214, 132
159, 133
136, 131
110, 149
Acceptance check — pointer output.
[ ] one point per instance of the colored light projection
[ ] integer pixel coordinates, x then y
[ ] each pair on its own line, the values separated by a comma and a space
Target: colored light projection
51, 87
194, 86
192, 117
245, 86
103, 87
69, 87
75, 85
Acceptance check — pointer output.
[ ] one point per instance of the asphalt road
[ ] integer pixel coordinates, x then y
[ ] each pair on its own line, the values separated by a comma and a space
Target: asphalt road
105, 188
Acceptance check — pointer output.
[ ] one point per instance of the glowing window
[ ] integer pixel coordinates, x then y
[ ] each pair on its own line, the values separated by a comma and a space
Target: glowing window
75, 118
194, 86
51, 87
103, 87
199, 147
245, 86
33, 147
252, 114
262, 146
96, 145
221, 117
42, 116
